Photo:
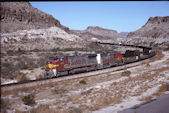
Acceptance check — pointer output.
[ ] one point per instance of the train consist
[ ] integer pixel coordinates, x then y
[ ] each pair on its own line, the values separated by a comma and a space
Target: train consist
64, 65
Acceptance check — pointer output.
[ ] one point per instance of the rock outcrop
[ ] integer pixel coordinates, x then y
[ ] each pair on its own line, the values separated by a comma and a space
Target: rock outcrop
95, 33
156, 27
41, 39
154, 33
21, 16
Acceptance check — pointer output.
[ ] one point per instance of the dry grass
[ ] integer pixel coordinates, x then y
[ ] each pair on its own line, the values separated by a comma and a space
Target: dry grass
148, 65
39, 77
43, 109
157, 57
75, 110
163, 88
59, 91
5, 104
146, 98
106, 100
86, 92
22, 78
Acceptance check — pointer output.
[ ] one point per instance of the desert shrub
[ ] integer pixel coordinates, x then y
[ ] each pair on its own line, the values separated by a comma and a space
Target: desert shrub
8, 70
26, 63
20, 51
41, 109
29, 99
35, 50
5, 103
76, 53
68, 49
167, 47
93, 46
16, 52
75, 110
59, 91
82, 82
10, 53
22, 77
40, 76
151, 44
125, 73
148, 65
146, 98
55, 49
164, 87
41, 61
86, 92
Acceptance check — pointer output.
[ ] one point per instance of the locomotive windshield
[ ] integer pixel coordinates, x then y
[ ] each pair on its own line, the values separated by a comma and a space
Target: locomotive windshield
53, 58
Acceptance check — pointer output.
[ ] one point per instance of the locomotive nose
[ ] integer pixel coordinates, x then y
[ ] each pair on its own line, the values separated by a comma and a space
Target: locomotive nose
48, 65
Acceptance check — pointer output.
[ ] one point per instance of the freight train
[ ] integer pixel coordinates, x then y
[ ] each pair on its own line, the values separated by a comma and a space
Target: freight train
64, 65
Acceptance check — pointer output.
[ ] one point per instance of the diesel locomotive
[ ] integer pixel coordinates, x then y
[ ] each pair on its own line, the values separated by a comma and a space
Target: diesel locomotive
64, 65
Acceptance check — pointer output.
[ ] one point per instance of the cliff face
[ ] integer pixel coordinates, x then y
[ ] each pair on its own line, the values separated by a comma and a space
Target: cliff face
156, 27
96, 33
21, 15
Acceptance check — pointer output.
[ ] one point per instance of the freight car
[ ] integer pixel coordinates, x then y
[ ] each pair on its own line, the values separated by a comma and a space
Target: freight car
64, 65
135, 55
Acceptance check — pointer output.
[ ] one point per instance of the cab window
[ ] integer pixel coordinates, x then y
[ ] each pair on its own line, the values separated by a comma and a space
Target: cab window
55, 59
51, 58
61, 59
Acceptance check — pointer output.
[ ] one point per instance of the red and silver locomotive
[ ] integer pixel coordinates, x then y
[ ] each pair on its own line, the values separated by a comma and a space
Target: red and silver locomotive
64, 65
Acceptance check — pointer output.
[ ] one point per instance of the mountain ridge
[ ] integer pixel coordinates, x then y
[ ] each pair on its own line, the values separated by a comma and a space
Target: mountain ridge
22, 15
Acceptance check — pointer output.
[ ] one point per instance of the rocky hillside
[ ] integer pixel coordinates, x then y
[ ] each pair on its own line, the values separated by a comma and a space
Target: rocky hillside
156, 27
95, 33
123, 34
21, 15
154, 33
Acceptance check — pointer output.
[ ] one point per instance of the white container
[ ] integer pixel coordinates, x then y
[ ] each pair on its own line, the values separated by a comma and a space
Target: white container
98, 58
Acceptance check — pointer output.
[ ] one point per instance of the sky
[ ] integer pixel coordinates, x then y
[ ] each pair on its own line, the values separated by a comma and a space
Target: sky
122, 16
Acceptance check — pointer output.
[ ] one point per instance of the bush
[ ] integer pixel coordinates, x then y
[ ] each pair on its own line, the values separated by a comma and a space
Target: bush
17, 52
55, 49
167, 47
125, 73
82, 82
29, 99
59, 91
41, 61
41, 109
8, 70
27, 63
86, 92
22, 77
164, 87
75, 110
5, 103
148, 65
10, 52
40, 76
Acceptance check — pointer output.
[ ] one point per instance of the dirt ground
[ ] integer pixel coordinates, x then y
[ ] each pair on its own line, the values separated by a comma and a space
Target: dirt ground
111, 91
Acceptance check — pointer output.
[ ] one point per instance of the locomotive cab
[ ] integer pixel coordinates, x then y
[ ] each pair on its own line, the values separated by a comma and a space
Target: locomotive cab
55, 64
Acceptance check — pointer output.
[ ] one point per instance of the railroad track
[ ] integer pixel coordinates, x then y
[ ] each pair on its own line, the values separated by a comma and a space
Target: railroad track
31, 83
